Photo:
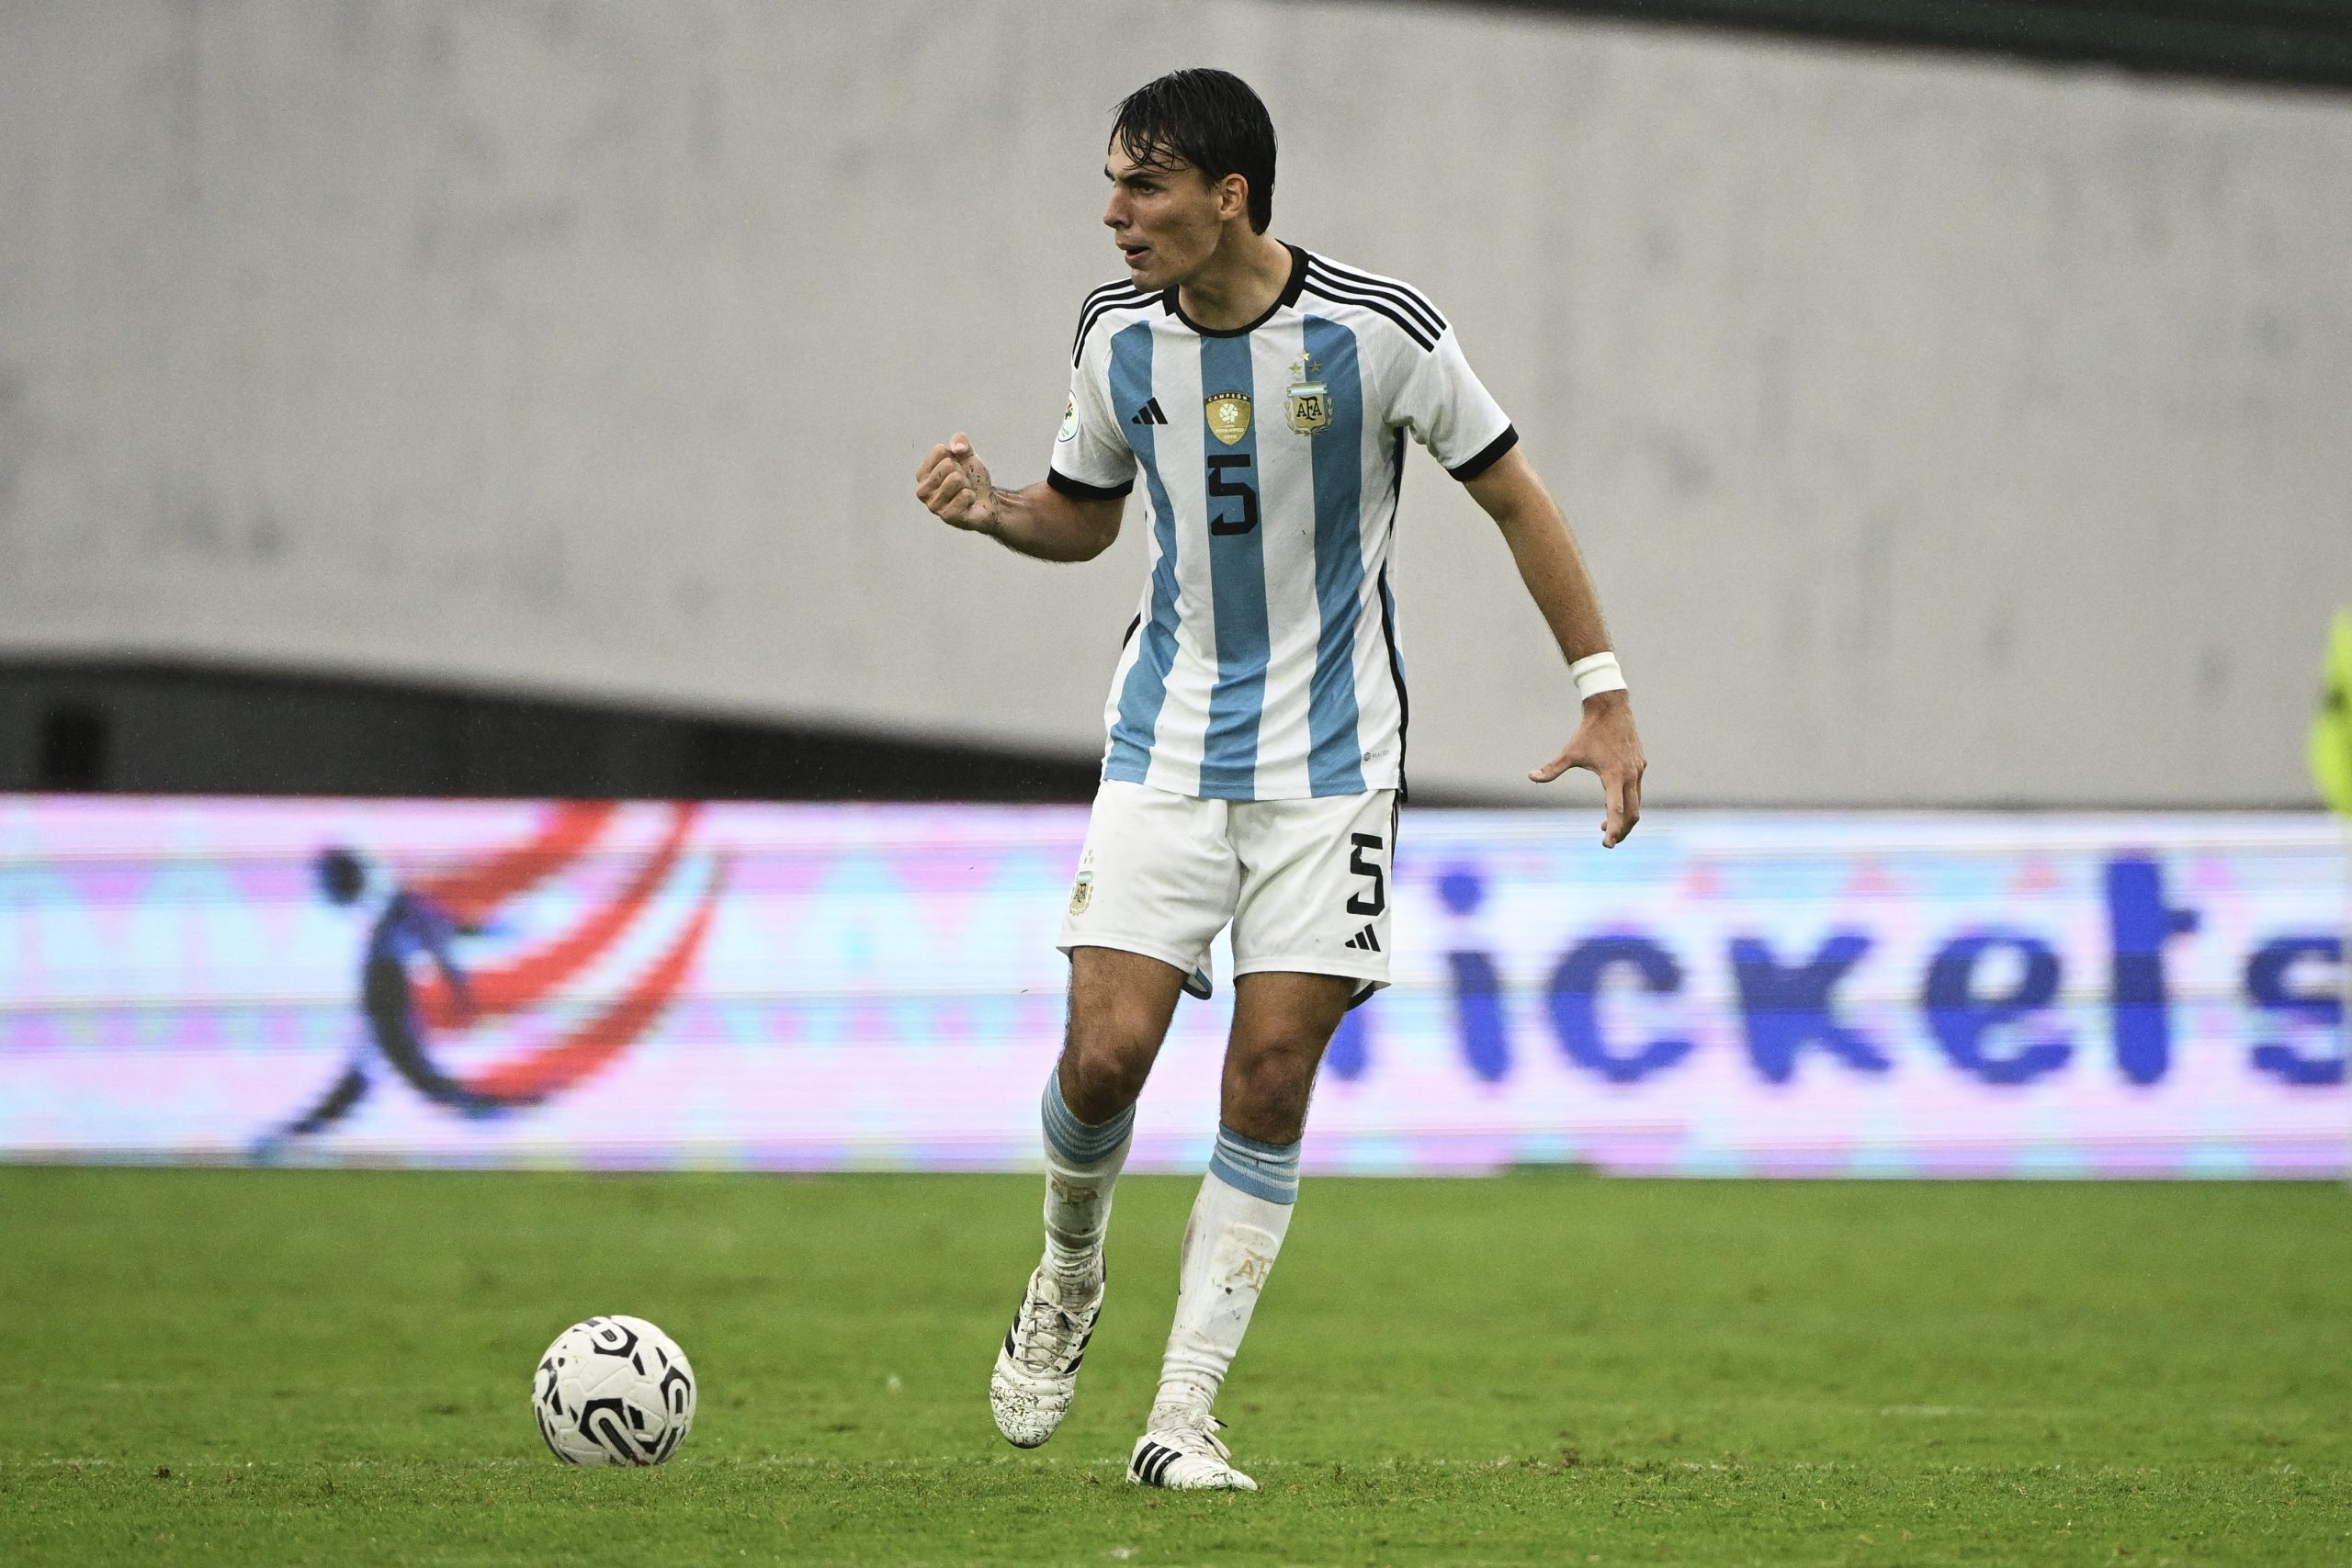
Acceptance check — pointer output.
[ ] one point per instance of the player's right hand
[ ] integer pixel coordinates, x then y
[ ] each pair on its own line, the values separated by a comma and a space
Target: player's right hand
954, 484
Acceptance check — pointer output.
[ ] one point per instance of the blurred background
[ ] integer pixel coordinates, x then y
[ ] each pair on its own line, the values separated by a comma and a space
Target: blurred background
476, 692
432, 400
524, 399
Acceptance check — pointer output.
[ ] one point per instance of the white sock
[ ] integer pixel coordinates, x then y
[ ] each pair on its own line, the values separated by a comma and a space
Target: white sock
1229, 1246
1082, 1167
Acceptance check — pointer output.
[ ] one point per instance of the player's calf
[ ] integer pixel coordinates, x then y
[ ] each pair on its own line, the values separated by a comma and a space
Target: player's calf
1036, 1371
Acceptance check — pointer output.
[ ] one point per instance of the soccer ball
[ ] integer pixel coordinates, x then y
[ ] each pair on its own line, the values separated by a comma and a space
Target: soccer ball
614, 1391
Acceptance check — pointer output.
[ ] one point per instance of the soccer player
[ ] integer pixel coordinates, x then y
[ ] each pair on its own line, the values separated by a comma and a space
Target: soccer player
1257, 717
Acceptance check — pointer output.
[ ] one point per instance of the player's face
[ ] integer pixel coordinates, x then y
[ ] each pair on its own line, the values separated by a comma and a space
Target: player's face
1165, 219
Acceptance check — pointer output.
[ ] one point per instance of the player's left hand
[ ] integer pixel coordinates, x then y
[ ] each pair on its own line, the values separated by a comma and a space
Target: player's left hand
1607, 744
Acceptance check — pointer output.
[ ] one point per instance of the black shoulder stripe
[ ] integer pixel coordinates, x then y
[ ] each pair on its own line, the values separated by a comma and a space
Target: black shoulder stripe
1095, 311
1102, 302
1098, 303
1405, 294
1110, 292
1117, 287
1410, 328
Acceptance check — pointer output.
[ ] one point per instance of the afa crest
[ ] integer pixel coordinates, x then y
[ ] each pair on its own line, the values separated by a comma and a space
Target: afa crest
1229, 416
1310, 399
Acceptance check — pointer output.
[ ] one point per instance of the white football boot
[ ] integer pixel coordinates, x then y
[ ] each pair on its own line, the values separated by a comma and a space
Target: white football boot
1184, 1456
1036, 1372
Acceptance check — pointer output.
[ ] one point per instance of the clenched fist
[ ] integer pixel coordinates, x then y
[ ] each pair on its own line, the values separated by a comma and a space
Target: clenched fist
953, 484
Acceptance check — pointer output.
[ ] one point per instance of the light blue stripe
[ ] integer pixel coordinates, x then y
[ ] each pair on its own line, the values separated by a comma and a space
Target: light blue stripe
1146, 690
1073, 1139
1335, 763
1263, 1170
1237, 584
1257, 1148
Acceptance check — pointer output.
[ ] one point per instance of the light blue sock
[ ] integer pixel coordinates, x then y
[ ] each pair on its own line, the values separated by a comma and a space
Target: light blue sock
1082, 1165
1263, 1170
1237, 1229
1071, 1141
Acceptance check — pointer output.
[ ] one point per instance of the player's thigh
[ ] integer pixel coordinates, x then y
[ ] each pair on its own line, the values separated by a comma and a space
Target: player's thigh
1282, 1023
1158, 877
1120, 1006
1315, 894
1279, 1013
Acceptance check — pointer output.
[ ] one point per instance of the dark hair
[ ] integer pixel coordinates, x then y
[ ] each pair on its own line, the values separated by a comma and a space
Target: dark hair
1208, 118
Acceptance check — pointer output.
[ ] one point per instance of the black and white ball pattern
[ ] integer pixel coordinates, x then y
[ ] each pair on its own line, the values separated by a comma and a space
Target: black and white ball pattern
614, 1391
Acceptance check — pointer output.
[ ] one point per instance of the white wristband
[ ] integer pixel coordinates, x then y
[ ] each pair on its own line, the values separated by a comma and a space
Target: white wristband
1597, 675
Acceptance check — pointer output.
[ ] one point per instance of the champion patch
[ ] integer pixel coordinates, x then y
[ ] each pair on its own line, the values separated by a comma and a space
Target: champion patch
1229, 416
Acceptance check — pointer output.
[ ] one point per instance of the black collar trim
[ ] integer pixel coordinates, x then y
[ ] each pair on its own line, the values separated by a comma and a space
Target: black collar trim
1282, 301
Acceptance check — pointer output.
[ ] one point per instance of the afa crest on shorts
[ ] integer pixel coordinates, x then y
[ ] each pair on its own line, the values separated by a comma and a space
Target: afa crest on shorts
1229, 416
1310, 399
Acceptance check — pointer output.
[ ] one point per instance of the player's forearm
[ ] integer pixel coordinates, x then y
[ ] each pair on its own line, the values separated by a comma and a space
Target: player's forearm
1544, 552
1554, 571
1040, 521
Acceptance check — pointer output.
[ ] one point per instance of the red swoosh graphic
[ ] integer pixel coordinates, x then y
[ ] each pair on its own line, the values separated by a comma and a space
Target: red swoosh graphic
567, 1061
495, 993
470, 893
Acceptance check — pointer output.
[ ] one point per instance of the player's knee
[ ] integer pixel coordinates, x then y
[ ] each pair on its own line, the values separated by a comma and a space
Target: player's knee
1102, 1077
1269, 1089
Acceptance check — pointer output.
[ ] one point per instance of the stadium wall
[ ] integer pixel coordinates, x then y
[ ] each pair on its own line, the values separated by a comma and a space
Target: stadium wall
1943, 431
832, 987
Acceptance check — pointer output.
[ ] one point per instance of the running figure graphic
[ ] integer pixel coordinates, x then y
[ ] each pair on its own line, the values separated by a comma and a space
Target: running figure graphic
410, 924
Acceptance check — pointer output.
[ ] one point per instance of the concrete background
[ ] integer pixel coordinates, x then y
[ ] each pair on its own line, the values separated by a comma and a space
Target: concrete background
1940, 431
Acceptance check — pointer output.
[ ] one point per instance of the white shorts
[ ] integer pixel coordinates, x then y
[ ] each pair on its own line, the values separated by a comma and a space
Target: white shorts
1304, 882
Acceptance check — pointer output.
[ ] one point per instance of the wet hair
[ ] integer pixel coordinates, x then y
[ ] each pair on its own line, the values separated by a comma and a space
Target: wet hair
1207, 119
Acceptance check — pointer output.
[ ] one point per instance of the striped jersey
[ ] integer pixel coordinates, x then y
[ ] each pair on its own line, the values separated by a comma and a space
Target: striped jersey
1263, 663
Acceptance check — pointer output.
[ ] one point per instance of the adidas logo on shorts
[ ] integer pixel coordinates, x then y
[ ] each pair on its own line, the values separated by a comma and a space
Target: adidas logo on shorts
1365, 942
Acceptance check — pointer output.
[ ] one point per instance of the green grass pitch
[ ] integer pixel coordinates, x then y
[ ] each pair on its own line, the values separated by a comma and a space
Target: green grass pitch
218, 1366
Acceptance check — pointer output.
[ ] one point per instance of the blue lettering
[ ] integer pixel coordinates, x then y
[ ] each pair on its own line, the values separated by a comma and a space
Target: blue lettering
1575, 1015
1478, 986
1351, 1050
1479, 1015
2268, 976
2138, 923
1785, 1009
1961, 1016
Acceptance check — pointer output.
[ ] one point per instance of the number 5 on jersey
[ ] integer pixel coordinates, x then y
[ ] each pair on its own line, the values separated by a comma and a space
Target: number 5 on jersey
1363, 862
1230, 479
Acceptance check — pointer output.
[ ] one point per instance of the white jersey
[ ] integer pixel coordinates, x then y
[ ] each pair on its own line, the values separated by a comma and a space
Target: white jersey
1263, 662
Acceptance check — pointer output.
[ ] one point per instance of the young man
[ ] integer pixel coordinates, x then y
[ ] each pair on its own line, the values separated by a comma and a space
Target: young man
1256, 717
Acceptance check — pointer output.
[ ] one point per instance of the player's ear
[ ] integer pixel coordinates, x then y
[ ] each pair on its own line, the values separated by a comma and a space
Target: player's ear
1232, 197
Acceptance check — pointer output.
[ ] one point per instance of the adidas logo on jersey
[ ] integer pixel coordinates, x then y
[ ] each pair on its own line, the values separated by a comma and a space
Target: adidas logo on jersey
1149, 415
1365, 942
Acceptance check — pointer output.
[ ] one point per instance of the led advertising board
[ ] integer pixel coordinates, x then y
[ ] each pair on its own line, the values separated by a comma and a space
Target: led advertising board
653, 985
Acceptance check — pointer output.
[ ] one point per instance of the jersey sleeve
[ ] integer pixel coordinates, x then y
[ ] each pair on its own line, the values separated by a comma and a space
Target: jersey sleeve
1450, 411
1092, 459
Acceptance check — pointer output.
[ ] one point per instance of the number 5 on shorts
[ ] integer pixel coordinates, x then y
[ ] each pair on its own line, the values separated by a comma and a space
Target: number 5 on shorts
1364, 864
